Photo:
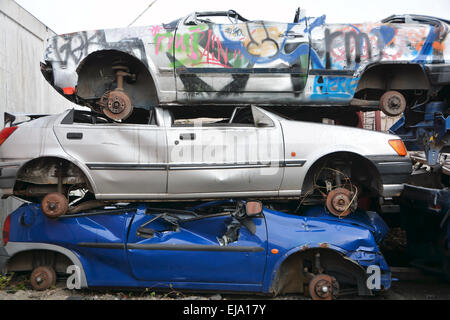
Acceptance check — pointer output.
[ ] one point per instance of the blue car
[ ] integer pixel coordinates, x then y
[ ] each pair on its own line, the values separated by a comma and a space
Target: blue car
222, 246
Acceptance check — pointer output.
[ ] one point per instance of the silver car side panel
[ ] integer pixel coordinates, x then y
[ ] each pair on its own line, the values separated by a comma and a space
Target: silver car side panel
228, 159
114, 152
312, 141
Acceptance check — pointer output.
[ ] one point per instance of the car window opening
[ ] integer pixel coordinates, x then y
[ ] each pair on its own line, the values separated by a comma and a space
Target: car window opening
139, 116
239, 116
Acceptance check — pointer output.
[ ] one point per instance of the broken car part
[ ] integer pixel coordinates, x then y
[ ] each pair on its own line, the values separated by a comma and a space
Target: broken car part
323, 287
186, 241
117, 104
43, 278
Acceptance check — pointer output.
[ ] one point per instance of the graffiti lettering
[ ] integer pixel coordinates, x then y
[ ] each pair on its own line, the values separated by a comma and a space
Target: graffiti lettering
72, 49
326, 87
358, 39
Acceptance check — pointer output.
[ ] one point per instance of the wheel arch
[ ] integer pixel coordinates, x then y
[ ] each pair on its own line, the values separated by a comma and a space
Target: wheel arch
393, 76
49, 161
27, 256
286, 277
315, 166
91, 82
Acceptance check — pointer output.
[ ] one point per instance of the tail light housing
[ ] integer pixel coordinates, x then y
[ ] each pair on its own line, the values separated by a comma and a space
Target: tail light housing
6, 228
5, 133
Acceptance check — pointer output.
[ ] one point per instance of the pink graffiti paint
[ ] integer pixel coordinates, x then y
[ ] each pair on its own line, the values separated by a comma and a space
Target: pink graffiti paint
158, 43
155, 30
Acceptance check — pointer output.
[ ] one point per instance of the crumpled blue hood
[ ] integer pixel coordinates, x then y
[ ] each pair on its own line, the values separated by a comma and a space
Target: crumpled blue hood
367, 219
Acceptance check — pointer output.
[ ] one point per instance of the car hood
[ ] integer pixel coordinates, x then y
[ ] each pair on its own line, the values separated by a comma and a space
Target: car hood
366, 219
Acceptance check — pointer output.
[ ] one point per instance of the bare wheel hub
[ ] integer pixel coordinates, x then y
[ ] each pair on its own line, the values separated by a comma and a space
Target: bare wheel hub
117, 104
42, 278
393, 103
54, 205
323, 287
339, 202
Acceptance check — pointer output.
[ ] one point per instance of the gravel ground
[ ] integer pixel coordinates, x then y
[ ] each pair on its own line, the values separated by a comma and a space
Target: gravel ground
411, 286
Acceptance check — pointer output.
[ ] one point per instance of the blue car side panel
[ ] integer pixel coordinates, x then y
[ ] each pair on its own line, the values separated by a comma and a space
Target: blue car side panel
194, 254
317, 228
102, 266
114, 255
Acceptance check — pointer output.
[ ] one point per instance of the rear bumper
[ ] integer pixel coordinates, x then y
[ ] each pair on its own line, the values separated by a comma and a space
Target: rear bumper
8, 174
394, 172
4, 257
439, 74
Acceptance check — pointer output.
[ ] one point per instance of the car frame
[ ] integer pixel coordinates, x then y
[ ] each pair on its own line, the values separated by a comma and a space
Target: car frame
224, 246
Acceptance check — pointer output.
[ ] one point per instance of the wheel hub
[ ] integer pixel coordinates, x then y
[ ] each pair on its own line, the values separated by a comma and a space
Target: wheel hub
323, 287
339, 202
393, 103
54, 205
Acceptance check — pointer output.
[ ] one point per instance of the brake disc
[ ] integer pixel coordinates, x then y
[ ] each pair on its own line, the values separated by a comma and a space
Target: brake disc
339, 202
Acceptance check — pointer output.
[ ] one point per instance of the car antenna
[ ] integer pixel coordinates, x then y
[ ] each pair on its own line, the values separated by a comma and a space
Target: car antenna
149, 6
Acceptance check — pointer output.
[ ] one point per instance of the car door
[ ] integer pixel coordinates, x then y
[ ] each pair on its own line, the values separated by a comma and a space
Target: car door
190, 251
228, 159
126, 161
253, 58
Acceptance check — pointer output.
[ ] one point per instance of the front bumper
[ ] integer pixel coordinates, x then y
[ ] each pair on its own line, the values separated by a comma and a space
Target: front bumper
394, 172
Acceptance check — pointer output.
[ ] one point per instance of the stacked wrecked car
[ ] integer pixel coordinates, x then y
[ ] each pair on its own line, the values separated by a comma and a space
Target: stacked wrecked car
204, 162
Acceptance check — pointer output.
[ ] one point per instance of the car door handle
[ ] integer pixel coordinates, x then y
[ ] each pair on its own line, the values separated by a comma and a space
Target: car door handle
187, 136
291, 34
74, 136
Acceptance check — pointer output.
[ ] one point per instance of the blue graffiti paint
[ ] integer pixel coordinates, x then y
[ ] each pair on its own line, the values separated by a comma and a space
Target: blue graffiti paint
332, 87
427, 48
318, 22
385, 33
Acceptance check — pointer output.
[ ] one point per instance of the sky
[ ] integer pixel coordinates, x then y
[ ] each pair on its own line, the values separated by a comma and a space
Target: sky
64, 16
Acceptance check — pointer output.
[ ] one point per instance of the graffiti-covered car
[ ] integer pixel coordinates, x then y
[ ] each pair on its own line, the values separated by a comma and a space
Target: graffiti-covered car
243, 152
222, 58
219, 246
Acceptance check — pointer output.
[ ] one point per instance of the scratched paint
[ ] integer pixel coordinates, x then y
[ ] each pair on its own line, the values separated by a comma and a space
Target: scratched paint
210, 62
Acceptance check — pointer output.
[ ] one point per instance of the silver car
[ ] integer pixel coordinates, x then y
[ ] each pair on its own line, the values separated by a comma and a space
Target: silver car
223, 58
170, 154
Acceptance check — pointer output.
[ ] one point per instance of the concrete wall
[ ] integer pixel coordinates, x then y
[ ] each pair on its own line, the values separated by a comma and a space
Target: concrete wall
22, 86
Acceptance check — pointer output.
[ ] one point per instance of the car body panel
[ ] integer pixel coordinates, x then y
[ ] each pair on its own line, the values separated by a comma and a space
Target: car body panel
160, 162
179, 255
111, 252
261, 62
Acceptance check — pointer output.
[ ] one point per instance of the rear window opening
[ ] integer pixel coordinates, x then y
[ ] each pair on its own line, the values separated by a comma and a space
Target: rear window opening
139, 116
412, 18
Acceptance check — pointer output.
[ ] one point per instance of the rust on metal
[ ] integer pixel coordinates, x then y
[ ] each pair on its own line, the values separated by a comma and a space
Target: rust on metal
323, 287
393, 103
54, 205
339, 202
117, 104
42, 278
